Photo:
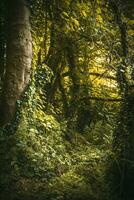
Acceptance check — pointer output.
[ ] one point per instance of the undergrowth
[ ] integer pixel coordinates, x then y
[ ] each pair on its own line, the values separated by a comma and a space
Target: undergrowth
38, 161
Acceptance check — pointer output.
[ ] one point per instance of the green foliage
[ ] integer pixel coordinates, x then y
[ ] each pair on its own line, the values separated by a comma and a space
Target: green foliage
39, 148
60, 145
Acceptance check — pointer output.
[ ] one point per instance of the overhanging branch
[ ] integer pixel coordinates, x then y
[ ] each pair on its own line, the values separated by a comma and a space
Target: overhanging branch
102, 99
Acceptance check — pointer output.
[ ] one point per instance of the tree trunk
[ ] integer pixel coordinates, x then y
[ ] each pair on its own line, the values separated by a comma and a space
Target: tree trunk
19, 57
2, 40
123, 144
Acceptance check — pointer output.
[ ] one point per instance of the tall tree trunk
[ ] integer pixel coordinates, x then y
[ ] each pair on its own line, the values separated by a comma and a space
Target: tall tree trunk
124, 135
19, 56
2, 40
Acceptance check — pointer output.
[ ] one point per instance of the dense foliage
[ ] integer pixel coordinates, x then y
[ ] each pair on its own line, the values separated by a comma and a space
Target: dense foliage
71, 137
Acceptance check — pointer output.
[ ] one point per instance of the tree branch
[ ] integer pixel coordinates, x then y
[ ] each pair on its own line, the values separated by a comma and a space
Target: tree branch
102, 99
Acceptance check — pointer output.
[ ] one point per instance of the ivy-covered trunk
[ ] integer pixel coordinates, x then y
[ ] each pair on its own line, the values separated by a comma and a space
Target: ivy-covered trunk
2, 40
18, 55
123, 141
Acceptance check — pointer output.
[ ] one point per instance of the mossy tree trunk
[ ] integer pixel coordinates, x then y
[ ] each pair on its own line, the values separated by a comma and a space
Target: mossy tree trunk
123, 141
2, 40
18, 55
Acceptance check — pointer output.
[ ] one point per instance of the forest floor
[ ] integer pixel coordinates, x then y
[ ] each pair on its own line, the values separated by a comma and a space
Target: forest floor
55, 168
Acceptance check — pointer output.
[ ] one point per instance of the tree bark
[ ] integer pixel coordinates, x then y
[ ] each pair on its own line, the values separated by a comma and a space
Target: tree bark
123, 138
2, 40
19, 57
